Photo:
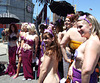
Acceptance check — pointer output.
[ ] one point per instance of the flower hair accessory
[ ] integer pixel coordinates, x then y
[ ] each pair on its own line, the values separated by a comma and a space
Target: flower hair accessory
48, 31
84, 18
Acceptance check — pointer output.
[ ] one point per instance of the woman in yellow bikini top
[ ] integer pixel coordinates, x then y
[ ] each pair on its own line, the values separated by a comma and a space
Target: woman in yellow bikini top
74, 44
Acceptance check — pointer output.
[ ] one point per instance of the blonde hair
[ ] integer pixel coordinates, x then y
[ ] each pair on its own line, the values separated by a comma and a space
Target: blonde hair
31, 27
95, 25
23, 25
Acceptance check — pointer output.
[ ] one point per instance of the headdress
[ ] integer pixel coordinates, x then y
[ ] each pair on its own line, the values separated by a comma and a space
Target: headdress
50, 26
84, 18
70, 15
49, 31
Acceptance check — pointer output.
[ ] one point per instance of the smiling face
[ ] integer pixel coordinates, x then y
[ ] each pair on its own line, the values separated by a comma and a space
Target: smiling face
67, 23
25, 28
47, 39
84, 28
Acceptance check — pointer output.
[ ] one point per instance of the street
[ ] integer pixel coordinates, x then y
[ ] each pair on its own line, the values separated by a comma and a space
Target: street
4, 60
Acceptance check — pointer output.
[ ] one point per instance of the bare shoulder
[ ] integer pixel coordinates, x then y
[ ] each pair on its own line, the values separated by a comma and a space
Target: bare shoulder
48, 53
72, 30
36, 37
94, 42
21, 33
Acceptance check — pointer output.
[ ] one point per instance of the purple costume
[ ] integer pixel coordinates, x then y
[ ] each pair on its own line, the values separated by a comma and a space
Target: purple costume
77, 74
11, 69
27, 60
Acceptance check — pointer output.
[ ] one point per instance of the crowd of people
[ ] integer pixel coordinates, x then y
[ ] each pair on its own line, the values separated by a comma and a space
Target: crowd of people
66, 51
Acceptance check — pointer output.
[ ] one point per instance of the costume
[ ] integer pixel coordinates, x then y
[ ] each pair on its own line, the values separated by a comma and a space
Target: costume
27, 60
74, 45
11, 69
77, 74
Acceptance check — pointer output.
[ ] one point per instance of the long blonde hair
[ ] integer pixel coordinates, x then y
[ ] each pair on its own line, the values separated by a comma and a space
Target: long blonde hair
95, 25
23, 25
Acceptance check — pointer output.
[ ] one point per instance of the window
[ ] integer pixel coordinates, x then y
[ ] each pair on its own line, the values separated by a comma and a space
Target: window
4, 2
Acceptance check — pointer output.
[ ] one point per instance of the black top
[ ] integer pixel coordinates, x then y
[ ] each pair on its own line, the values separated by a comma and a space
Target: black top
14, 38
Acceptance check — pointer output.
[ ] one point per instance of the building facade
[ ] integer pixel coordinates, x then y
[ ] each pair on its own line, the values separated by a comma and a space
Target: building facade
23, 9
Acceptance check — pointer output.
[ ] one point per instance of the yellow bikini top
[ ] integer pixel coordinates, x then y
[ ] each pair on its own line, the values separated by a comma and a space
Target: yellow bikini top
74, 44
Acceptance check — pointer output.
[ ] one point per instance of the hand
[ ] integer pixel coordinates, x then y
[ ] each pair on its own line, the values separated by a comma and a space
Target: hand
70, 73
63, 80
76, 82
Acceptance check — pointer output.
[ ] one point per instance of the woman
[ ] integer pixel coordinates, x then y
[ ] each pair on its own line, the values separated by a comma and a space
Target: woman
70, 41
59, 28
12, 46
42, 27
22, 33
87, 55
51, 57
27, 51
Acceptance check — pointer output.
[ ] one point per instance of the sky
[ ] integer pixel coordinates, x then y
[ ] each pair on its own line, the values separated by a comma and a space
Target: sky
81, 5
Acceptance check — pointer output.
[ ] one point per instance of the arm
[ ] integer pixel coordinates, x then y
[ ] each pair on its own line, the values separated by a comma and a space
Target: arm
36, 46
44, 68
63, 42
90, 60
20, 43
19, 39
60, 35
70, 71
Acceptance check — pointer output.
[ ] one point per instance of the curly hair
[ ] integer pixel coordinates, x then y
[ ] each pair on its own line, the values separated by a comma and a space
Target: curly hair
59, 25
15, 27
